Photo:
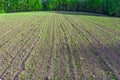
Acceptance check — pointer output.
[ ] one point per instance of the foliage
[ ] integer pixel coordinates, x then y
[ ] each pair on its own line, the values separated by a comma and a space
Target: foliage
110, 7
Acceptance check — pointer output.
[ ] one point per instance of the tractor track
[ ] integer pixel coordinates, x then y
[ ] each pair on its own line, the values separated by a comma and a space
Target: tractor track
39, 71
83, 49
17, 55
72, 75
99, 51
50, 60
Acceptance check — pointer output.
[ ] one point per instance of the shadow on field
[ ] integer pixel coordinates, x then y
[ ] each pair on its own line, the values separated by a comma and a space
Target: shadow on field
83, 13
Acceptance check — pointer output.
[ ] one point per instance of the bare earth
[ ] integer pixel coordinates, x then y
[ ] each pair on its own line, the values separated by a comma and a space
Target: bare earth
59, 46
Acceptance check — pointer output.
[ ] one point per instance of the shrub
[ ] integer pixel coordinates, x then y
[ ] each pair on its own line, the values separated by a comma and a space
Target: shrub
2, 11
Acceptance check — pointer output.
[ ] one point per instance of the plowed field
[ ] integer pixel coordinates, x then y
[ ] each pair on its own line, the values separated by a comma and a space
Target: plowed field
59, 46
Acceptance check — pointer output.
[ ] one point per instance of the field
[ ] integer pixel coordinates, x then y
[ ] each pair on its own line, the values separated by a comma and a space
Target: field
59, 46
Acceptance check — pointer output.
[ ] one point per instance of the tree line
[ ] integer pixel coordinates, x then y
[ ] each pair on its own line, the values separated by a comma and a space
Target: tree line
109, 7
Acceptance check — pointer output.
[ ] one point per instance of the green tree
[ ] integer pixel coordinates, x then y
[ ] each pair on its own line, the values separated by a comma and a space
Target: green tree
110, 7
